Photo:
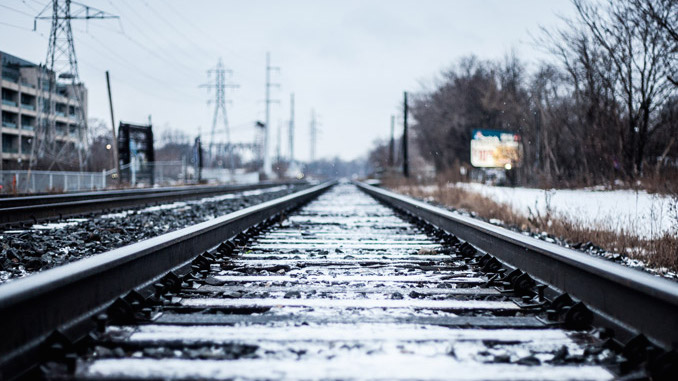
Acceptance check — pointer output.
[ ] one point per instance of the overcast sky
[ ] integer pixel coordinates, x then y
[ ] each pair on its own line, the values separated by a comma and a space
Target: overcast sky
350, 60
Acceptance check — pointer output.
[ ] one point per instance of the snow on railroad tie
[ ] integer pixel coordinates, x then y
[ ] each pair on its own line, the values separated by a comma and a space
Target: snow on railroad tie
343, 289
342, 303
350, 278
395, 366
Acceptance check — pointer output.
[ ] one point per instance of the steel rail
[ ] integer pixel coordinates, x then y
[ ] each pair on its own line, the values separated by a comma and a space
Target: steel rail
8, 202
66, 297
35, 208
621, 297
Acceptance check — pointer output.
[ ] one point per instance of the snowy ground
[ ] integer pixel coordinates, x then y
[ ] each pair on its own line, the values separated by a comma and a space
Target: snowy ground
649, 215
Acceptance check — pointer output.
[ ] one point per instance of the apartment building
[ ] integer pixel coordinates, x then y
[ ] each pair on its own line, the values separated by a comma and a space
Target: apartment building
24, 105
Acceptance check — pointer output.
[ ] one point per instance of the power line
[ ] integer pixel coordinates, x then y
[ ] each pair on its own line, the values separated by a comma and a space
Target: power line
133, 86
207, 36
169, 61
122, 60
176, 30
191, 56
30, 7
16, 10
15, 26
170, 55
128, 84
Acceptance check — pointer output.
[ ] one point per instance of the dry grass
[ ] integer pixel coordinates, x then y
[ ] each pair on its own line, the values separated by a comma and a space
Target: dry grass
659, 253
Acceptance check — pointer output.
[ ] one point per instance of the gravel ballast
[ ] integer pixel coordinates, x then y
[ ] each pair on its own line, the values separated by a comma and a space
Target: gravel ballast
43, 246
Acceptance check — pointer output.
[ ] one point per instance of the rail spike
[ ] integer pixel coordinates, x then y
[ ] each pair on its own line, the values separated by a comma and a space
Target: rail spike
121, 311
492, 265
467, 250
201, 262
561, 301
226, 248
56, 346
578, 317
172, 282
524, 284
484, 259
450, 239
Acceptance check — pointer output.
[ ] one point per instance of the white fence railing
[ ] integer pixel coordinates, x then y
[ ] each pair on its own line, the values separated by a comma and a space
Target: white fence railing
139, 174
24, 181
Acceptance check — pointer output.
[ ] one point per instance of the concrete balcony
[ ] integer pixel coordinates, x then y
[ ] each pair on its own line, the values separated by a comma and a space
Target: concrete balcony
7, 102
29, 90
9, 84
10, 150
62, 119
8, 124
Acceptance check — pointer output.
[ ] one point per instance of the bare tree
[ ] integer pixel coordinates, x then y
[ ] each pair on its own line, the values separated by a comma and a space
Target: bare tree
467, 97
641, 56
604, 111
665, 14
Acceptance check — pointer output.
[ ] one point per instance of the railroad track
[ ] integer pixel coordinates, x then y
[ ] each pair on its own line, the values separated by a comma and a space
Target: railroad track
343, 288
31, 209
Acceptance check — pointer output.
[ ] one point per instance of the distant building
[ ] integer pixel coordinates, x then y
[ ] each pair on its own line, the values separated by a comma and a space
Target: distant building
24, 106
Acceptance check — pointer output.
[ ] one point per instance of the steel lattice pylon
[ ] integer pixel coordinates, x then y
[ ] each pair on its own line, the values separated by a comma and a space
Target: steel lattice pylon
219, 84
60, 74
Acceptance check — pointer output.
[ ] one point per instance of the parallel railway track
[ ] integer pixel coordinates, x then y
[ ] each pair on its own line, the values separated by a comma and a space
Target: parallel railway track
343, 288
31, 209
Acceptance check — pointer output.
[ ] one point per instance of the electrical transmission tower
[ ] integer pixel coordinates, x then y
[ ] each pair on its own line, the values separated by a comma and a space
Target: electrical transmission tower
60, 73
267, 128
219, 84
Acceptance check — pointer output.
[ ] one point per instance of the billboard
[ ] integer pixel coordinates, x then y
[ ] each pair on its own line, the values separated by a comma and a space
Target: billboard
495, 149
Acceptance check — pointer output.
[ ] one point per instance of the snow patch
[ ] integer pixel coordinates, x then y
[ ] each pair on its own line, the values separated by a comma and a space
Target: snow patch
648, 215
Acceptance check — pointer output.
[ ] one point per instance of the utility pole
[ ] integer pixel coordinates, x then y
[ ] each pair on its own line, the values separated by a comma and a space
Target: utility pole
291, 129
115, 139
61, 64
391, 146
313, 135
220, 85
267, 128
406, 167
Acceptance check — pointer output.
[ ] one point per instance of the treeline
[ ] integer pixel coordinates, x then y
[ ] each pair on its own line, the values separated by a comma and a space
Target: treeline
605, 106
